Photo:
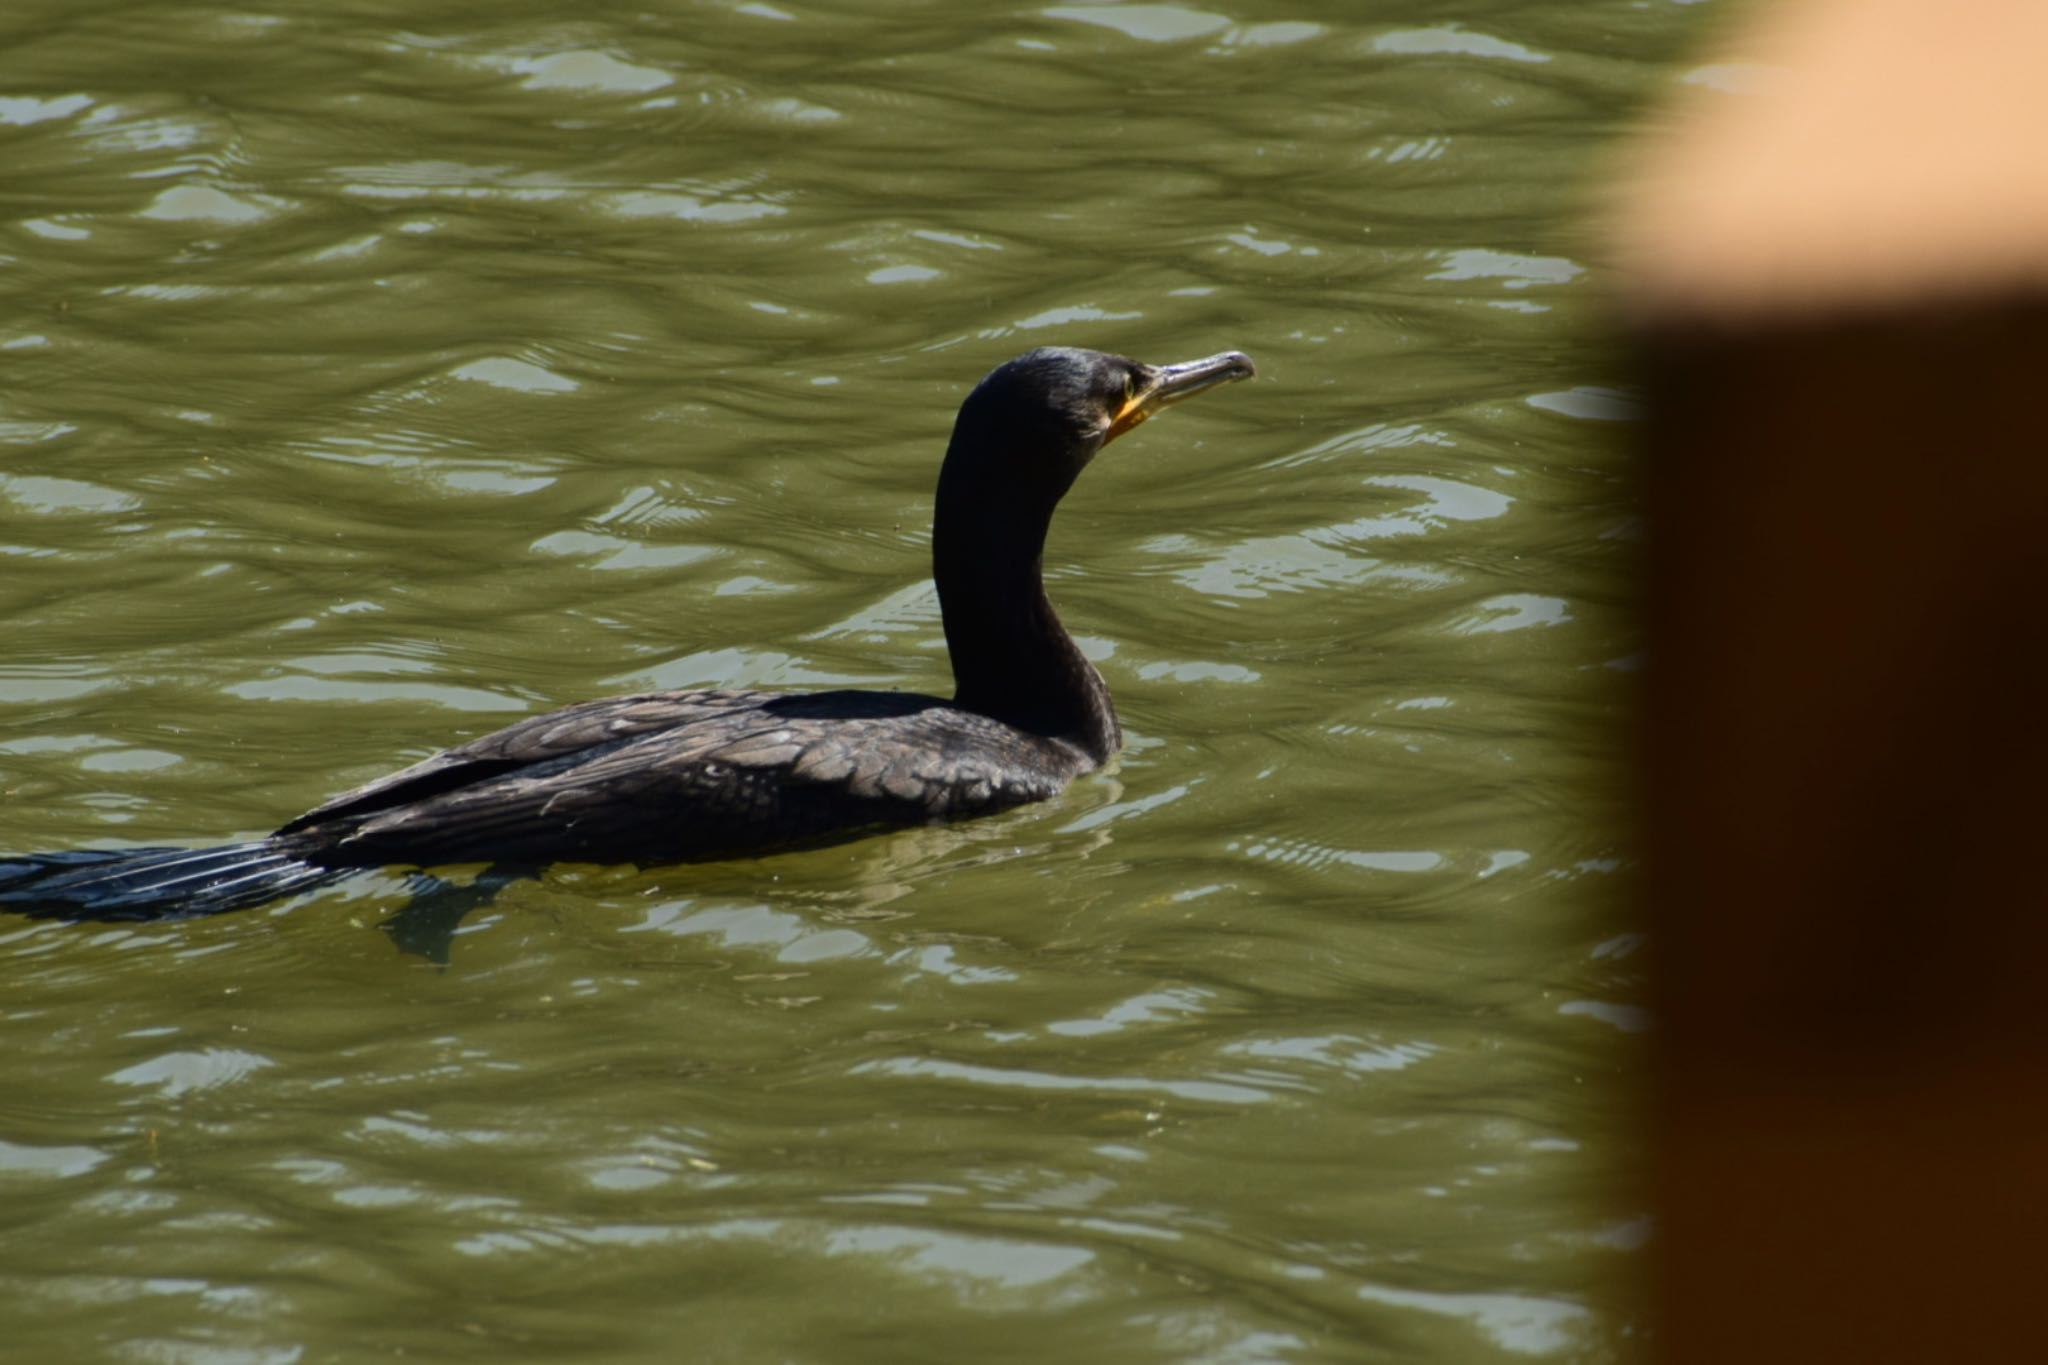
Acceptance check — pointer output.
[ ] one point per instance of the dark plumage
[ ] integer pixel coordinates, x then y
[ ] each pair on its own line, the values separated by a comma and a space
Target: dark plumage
677, 776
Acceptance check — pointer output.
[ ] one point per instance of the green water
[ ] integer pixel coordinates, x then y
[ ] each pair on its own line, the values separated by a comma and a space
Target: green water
372, 374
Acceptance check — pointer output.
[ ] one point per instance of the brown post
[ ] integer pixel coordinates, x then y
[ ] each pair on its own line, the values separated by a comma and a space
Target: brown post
1839, 284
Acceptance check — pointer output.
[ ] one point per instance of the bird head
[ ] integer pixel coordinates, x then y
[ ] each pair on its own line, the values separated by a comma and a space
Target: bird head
1045, 414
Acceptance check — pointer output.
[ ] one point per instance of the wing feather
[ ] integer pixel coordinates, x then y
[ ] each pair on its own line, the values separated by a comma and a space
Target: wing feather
660, 776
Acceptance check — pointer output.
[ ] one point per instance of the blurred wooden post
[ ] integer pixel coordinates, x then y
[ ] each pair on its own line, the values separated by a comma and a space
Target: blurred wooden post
1839, 287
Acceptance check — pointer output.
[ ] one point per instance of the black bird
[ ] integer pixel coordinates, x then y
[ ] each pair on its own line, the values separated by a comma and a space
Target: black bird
666, 777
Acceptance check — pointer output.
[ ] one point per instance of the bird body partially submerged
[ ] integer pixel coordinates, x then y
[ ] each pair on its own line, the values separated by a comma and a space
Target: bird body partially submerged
668, 777
676, 776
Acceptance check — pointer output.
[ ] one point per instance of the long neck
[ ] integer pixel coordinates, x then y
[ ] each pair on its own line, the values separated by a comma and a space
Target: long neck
1012, 659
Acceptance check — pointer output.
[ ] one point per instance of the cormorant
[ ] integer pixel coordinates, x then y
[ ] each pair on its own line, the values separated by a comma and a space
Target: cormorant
665, 777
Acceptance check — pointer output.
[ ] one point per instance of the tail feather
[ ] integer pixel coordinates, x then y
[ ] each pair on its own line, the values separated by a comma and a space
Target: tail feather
153, 883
